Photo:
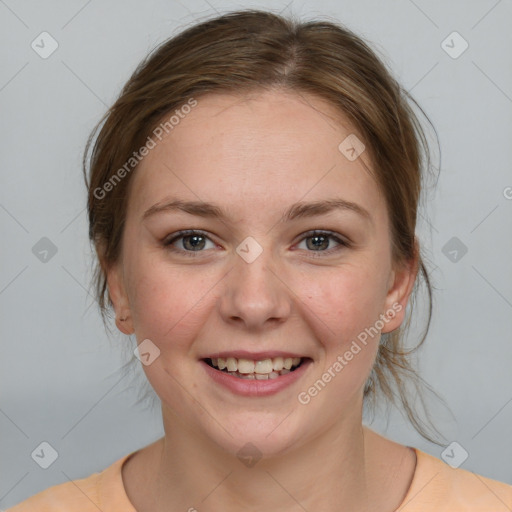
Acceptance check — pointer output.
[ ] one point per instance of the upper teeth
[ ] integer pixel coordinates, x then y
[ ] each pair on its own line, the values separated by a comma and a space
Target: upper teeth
262, 366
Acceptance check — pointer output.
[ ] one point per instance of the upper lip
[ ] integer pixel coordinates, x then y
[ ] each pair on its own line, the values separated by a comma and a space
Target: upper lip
253, 356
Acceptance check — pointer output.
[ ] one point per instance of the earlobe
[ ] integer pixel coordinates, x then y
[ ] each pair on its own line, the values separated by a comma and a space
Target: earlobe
401, 286
117, 294
124, 324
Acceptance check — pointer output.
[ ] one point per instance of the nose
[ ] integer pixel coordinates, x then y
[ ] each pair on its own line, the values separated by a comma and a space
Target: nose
255, 297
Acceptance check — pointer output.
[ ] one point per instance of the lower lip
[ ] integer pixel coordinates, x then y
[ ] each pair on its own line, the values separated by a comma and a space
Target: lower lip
254, 387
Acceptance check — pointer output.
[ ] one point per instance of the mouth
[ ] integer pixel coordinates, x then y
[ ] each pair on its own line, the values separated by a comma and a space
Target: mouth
261, 369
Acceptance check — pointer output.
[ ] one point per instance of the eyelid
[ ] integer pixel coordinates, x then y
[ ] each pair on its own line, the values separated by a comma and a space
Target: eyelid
342, 241
168, 241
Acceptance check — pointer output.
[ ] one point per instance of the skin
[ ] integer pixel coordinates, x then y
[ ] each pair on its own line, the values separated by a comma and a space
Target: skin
271, 148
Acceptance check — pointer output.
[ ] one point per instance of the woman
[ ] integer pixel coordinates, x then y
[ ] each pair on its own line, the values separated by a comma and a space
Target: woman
252, 200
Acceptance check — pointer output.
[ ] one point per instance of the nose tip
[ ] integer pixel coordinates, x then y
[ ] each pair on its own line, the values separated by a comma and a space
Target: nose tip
254, 296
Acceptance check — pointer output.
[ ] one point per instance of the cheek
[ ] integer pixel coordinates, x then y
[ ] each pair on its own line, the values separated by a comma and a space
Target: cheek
343, 310
346, 300
167, 305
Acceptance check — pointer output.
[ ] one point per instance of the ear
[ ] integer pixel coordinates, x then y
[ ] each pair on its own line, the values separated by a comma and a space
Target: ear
401, 284
119, 298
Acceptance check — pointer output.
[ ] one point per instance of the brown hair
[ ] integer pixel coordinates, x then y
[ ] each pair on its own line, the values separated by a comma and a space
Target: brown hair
252, 50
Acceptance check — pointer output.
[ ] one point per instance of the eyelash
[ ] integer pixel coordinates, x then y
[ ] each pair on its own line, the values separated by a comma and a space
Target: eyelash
342, 243
309, 234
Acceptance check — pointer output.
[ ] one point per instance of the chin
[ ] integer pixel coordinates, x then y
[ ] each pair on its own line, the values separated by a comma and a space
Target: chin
257, 434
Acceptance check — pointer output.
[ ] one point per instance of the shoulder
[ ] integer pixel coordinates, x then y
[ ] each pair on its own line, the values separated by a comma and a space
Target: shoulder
438, 486
99, 491
77, 495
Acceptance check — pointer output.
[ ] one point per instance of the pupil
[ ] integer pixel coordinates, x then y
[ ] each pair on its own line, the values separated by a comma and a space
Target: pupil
319, 242
194, 241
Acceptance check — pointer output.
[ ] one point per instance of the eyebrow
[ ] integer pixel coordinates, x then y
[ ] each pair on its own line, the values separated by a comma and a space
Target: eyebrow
295, 211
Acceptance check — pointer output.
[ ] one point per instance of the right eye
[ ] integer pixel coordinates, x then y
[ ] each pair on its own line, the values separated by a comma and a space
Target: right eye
191, 241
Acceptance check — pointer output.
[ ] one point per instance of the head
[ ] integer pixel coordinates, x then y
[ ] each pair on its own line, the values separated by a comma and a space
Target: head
292, 157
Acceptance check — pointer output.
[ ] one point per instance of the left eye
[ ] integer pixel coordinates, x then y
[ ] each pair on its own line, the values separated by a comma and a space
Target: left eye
320, 241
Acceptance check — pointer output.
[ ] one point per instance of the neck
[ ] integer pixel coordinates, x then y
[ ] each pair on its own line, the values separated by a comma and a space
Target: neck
190, 473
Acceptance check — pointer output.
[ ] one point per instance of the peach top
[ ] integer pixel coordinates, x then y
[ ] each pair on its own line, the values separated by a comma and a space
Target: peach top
435, 487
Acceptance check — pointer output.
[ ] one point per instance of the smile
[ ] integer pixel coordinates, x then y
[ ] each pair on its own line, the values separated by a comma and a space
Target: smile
260, 376
263, 369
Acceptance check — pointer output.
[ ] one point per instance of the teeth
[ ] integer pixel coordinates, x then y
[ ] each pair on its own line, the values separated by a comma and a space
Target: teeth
245, 366
277, 363
261, 370
264, 366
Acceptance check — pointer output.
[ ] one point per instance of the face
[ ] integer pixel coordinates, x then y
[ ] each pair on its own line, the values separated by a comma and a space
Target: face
252, 241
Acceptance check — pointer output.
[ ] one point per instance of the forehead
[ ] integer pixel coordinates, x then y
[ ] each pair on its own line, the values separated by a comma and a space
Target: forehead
272, 146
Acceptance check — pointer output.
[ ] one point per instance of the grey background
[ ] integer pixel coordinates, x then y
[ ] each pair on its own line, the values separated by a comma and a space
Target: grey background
59, 372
